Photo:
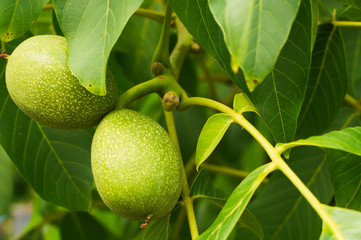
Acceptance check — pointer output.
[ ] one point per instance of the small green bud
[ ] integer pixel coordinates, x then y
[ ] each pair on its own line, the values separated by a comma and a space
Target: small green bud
158, 68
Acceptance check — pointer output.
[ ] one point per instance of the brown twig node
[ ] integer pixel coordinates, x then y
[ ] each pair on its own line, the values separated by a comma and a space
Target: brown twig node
4, 55
145, 224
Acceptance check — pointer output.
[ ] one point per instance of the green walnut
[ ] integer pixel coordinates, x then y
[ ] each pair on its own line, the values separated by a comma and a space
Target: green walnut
41, 85
135, 165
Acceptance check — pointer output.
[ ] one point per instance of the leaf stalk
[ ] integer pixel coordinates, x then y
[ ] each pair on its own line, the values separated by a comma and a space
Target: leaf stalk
272, 153
342, 24
161, 53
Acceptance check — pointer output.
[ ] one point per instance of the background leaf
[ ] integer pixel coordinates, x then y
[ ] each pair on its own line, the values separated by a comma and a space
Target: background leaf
17, 16
81, 226
344, 167
354, 3
345, 171
120, 228
347, 221
280, 208
135, 46
198, 19
255, 33
56, 163
6, 181
327, 83
202, 187
236, 204
156, 230
92, 28
352, 41
211, 135
279, 98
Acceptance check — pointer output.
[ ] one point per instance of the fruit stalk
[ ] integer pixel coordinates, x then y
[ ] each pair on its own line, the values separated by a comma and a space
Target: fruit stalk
187, 200
151, 14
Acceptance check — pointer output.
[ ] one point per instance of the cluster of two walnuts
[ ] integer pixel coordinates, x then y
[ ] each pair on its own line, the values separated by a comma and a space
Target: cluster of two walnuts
135, 165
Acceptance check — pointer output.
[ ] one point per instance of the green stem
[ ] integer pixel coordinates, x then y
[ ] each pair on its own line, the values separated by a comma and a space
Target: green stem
187, 201
353, 103
227, 170
181, 48
152, 86
209, 78
151, 14
343, 24
48, 6
272, 153
161, 53
160, 85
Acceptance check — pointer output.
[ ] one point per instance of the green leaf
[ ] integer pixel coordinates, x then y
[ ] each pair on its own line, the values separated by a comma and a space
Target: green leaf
81, 226
327, 83
280, 208
249, 221
348, 140
6, 180
202, 187
44, 24
349, 14
56, 163
255, 32
354, 3
156, 230
17, 16
212, 133
347, 221
241, 103
345, 171
279, 98
236, 204
352, 41
198, 19
92, 28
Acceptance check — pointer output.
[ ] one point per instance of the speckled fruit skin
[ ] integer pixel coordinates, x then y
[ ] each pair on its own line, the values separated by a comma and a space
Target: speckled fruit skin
135, 166
41, 85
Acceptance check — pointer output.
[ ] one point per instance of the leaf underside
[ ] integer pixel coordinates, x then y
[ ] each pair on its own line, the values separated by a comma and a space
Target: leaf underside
91, 29
255, 32
279, 98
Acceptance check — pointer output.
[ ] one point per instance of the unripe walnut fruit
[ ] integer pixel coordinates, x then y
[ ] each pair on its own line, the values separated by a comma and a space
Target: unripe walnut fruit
135, 165
41, 85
